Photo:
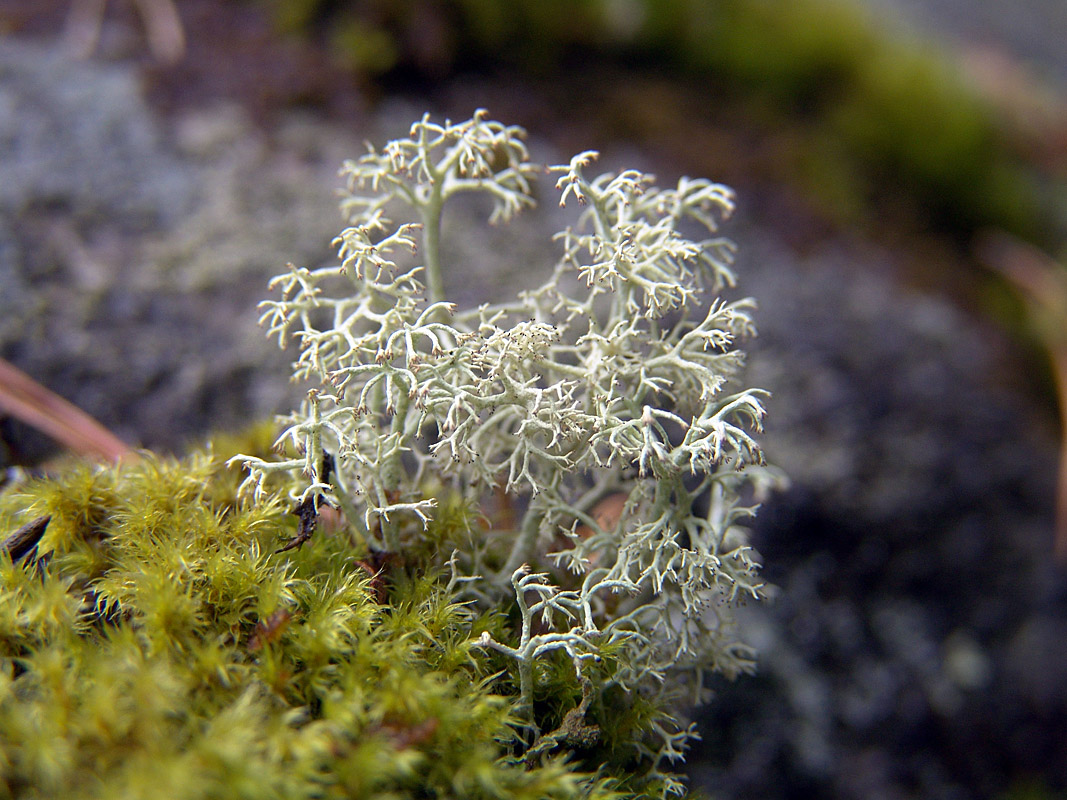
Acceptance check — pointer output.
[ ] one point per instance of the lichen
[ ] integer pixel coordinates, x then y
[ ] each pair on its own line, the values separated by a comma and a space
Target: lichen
616, 380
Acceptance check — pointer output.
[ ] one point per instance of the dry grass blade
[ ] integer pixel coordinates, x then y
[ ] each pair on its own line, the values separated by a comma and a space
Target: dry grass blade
28, 401
163, 28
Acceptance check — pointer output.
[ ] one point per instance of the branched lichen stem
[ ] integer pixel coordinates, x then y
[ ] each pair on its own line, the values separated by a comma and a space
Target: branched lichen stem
572, 391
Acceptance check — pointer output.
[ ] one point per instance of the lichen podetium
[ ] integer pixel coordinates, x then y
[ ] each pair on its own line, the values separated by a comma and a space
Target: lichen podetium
618, 377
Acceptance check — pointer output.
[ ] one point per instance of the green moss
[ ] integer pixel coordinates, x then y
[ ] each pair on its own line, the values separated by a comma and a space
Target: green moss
798, 52
156, 639
364, 48
909, 118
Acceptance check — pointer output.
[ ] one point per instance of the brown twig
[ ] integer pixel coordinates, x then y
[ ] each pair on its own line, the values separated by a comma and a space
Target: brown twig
308, 512
23, 540
28, 401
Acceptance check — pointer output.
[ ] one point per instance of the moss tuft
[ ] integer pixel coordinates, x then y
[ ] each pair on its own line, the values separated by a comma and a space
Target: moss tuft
154, 638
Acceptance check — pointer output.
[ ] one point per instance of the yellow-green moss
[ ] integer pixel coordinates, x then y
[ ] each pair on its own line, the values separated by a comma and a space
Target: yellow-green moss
155, 639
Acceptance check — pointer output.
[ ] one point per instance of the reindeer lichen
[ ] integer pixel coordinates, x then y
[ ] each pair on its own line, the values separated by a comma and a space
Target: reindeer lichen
615, 379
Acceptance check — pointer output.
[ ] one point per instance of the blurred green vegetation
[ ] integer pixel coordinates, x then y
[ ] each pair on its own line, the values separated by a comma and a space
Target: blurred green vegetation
874, 114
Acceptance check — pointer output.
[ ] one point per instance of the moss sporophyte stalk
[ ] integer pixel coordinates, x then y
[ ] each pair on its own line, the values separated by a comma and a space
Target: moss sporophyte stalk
615, 379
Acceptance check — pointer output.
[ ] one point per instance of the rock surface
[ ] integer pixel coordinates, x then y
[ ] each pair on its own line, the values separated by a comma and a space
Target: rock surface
909, 560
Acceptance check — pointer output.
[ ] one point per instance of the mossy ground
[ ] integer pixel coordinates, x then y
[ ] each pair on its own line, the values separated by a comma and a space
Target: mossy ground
156, 639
